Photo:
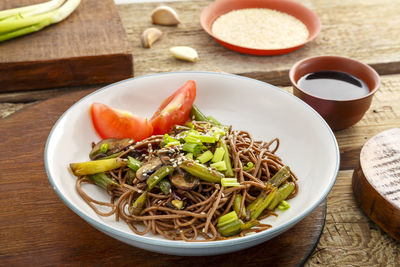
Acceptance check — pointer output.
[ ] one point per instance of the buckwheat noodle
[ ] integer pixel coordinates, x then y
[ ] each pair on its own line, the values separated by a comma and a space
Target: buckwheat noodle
197, 221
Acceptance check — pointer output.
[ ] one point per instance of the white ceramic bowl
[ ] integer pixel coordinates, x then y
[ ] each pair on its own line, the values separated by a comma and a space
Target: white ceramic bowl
308, 146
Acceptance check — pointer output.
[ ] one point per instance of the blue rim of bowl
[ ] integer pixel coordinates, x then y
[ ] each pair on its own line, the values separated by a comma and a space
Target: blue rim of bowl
178, 243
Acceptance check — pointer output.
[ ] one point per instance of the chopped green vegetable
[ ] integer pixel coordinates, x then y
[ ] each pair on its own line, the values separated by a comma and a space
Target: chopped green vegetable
282, 175
195, 149
227, 218
138, 205
192, 139
283, 205
218, 155
231, 229
104, 147
170, 141
249, 224
201, 171
197, 114
206, 156
260, 203
165, 186
248, 166
229, 170
133, 163
189, 155
221, 165
156, 177
283, 192
177, 203
229, 182
96, 166
102, 180
236, 205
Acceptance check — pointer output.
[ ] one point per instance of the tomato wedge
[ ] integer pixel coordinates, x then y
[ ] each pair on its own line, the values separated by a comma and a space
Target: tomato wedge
175, 109
113, 123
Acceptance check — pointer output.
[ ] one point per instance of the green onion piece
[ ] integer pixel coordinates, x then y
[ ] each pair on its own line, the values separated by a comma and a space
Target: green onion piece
248, 166
34, 18
262, 201
218, 155
283, 205
104, 148
192, 139
282, 175
200, 137
227, 218
189, 155
195, 149
283, 192
177, 203
170, 141
221, 165
156, 177
133, 163
231, 229
206, 156
229, 170
213, 120
138, 205
229, 182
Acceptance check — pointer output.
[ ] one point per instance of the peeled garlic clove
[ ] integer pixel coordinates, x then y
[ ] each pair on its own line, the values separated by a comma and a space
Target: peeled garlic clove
184, 53
150, 35
164, 15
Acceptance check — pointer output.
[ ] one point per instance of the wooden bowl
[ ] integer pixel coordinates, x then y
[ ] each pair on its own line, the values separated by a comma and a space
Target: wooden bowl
376, 181
221, 7
339, 114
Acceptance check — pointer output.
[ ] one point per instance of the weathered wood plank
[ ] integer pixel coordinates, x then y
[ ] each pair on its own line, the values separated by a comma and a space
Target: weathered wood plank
89, 47
358, 29
349, 237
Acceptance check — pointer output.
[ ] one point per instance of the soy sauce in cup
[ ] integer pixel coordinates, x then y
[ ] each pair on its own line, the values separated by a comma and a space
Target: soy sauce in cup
334, 85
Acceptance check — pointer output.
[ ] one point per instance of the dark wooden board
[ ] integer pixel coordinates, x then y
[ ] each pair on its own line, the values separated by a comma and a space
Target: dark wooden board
376, 181
36, 228
89, 47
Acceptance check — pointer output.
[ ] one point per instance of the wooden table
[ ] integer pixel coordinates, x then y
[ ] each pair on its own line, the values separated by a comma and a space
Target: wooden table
366, 30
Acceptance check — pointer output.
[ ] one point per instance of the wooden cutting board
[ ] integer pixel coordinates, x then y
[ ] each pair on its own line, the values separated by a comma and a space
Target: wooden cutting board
376, 181
89, 47
36, 228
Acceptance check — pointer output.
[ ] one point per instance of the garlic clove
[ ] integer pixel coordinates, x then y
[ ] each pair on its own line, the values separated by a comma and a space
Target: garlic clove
184, 53
165, 15
149, 36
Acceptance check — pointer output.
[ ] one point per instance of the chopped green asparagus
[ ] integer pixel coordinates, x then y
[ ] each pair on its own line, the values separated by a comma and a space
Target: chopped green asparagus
197, 114
134, 164
165, 186
229, 170
261, 202
282, 175
283, 192
96, 166
236, 205
138, 205
156, 177
102, 180
201, 171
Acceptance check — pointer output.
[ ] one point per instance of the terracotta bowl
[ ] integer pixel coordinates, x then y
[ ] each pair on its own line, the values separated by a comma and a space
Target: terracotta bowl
339, 114
221, 7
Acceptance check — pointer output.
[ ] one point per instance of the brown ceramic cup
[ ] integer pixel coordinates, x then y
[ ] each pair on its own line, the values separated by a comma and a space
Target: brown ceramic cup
339, 114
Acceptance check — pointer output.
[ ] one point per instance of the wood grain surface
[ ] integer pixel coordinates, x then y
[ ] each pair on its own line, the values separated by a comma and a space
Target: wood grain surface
376, 181
89, 47
359, 29
36, 228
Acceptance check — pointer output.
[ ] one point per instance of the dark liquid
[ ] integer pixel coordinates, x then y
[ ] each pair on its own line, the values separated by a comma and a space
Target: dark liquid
333, 85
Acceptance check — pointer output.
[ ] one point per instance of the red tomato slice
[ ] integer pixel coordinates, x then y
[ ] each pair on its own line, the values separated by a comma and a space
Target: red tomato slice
175, 109
113, 123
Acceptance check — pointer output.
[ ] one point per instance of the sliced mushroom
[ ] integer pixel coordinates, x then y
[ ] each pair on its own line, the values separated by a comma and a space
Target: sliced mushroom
184, 181
148, 169
166, 155
114, 146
